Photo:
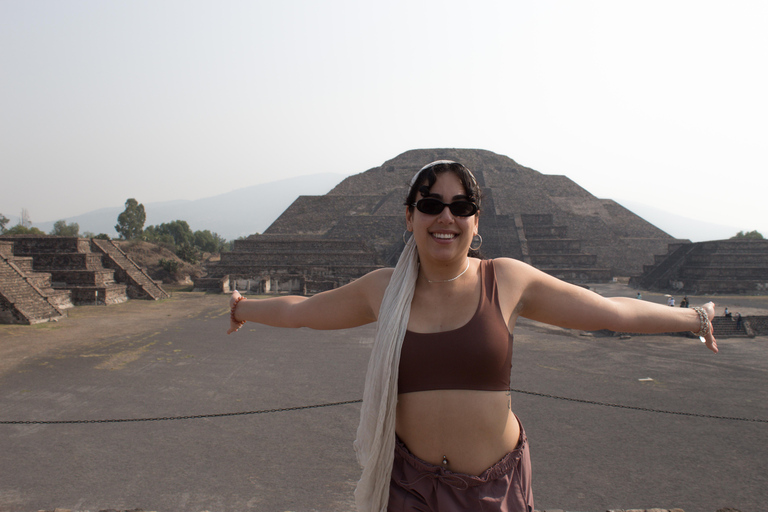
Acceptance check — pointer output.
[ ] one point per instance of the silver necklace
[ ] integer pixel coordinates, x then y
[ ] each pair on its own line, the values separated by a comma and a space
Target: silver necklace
451, 279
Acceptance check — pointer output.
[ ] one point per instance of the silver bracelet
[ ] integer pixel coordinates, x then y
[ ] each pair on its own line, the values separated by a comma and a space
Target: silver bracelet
703, 322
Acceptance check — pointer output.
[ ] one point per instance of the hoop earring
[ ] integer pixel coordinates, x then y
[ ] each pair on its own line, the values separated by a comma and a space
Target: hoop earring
479, 246
405, 240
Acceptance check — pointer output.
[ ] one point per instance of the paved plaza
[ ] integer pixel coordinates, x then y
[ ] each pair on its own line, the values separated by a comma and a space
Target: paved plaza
171, 358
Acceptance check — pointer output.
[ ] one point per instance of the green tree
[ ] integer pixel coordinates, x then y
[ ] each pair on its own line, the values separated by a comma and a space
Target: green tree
3, 221
61, 228
18, 229
750, 235
180, 231
130, 223
175, 233
208, 242
157, 236
177, 236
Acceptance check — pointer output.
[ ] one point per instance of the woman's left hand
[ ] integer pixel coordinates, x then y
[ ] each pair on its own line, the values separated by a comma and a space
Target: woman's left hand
709, 339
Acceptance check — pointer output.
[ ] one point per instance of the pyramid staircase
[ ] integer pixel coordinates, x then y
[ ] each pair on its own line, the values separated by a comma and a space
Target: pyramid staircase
727, 327
140, 285
26, 296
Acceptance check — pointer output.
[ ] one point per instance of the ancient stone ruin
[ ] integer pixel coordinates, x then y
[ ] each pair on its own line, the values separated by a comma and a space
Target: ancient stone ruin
322, 242
706, 268
41, 277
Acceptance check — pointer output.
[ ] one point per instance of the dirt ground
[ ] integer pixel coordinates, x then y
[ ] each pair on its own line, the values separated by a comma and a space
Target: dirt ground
89, 325
171, 358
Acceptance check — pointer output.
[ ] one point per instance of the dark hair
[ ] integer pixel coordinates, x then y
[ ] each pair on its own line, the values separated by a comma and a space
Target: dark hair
429, 174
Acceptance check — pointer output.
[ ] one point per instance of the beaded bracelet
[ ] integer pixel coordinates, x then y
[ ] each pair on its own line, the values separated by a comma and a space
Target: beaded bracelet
703, 322
232, 313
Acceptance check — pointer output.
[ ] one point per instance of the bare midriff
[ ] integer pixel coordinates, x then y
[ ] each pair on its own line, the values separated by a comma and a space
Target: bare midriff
472, 429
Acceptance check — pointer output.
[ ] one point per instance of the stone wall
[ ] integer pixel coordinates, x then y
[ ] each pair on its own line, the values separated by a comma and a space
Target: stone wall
288, 264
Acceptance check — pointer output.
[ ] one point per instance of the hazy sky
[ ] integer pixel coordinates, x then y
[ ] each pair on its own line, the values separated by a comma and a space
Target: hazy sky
663, 103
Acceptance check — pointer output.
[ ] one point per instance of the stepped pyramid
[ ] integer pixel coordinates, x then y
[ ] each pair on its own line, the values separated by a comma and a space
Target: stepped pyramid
546, 220
40, 276
736, 266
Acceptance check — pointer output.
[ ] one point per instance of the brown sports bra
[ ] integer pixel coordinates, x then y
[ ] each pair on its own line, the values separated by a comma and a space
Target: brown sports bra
477, 355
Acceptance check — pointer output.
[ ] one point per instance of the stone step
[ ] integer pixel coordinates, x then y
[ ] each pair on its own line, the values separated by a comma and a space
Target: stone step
86, 295
719, 273
28, 245
545, 232
73, 278
64, 261
728, 286
21, 301
729, 327
564, 260
25, 263
555, 246
242, 271
580, 275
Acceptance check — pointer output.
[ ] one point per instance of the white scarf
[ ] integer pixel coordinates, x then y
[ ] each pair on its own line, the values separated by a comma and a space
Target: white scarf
375, 443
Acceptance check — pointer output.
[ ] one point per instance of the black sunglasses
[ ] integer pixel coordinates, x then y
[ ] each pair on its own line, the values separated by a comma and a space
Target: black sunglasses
432, 206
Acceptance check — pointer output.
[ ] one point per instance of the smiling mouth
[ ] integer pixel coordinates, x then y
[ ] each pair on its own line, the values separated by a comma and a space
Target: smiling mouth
444, 236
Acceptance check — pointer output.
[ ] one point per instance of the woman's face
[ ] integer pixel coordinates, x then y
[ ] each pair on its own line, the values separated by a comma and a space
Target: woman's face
442, 237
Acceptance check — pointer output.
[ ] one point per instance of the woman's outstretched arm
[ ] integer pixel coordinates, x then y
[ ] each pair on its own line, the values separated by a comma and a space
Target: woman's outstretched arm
550, 300
352, 305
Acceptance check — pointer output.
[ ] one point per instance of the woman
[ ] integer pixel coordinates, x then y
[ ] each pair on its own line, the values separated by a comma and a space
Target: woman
437, 431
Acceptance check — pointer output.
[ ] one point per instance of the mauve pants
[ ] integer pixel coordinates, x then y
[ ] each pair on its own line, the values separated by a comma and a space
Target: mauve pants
419, 486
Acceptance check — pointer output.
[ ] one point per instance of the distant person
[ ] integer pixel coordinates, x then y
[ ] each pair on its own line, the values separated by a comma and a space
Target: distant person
738, 320
437, 431
727, 313
671, 302
639, 296
684, 302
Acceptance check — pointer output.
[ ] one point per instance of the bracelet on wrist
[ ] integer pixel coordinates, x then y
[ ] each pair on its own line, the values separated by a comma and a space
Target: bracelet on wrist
232, 312
703, 322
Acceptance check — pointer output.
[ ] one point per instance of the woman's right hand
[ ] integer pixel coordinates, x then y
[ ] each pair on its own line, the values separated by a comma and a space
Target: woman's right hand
234, 325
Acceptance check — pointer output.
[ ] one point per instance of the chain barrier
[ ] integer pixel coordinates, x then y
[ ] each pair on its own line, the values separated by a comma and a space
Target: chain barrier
171, 418
644, 409
347, 402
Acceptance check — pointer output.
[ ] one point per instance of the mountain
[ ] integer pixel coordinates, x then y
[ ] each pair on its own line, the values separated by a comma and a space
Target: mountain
234, 214
252, 209
680, 226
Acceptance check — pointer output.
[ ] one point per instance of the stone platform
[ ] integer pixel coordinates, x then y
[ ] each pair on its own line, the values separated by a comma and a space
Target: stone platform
40, 276
714, 267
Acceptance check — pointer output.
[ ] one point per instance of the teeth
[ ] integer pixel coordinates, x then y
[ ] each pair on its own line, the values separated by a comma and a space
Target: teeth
444, 236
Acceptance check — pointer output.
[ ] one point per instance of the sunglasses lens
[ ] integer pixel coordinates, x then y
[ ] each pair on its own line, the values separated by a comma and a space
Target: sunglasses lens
431, 206
463, 208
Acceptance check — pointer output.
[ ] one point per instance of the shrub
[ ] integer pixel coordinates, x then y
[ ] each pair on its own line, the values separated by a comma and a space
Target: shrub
170, 266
